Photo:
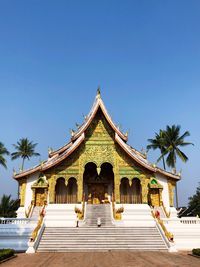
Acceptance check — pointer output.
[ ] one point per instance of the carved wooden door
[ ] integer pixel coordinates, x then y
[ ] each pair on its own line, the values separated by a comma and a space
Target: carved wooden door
155, 197
39, 197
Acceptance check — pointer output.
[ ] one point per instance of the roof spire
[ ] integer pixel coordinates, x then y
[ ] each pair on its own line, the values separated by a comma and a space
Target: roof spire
98, 93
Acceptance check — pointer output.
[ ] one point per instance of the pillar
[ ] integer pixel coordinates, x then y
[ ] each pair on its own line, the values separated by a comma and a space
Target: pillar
52, 184
22, 186
145, 189
80, 186
117, 188
171, 186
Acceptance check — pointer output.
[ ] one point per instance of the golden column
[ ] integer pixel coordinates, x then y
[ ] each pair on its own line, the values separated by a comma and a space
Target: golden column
171, 186
117, 187
22, 190
116, 179
52, 184
80, 178
80, 187
145, 189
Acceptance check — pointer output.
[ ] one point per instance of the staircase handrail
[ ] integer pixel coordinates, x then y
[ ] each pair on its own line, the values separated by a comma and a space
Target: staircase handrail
39, 224
37, 232
117, 213
113, 206
30, 210
165, 211
169, 235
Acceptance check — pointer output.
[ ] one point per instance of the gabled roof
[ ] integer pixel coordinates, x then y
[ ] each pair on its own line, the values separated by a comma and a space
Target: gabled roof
78, 137
98, 103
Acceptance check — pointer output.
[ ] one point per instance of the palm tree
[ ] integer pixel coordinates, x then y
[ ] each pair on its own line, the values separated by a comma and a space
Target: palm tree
158, 143
8, 206
25, 149
3, 152
172, 143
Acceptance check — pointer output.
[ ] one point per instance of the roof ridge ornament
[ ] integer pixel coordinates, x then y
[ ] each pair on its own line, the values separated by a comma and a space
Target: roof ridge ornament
98, 96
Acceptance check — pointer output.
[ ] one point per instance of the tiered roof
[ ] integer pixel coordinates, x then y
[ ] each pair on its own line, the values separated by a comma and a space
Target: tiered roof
57, 156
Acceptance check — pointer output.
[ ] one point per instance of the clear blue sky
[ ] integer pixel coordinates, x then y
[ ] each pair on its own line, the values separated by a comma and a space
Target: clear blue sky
145, 55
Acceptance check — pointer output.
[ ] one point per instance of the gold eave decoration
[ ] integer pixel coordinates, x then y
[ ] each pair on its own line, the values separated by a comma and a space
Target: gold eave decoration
154, 184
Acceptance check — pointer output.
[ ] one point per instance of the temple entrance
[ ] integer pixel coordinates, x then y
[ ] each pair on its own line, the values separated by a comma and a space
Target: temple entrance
39, 196
98, 183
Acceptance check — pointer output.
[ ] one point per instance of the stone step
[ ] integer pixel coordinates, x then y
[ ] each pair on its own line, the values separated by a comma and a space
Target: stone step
100, 249
105, 229
105, 246
89, 237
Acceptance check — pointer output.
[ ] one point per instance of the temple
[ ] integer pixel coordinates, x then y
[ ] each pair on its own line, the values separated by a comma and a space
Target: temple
96, 166
97, 193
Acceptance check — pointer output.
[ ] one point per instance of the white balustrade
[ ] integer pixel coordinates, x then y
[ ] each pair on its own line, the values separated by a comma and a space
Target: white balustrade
14, 220
183, 220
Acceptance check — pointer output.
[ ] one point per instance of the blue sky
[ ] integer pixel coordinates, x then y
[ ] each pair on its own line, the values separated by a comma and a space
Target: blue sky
145, 55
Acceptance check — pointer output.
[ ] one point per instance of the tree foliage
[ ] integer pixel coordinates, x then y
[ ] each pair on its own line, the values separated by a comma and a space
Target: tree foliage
25, 149
3, 153
8, 206
169, 142
194, 203
158, 143
173, 141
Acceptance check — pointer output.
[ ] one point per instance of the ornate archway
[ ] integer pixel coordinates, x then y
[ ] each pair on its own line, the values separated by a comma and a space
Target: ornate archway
98, 183
124, 191
60, 191
72, 190
136, 191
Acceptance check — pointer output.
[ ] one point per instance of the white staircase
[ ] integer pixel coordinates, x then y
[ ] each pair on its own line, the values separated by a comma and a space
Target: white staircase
93, 212
136, 215
90, 237
100, 239
61, 215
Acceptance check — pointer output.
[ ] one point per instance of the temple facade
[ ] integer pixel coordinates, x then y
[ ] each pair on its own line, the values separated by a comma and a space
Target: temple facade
96, 166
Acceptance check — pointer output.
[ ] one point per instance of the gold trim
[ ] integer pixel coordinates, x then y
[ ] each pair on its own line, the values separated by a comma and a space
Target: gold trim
168, 234
39, 224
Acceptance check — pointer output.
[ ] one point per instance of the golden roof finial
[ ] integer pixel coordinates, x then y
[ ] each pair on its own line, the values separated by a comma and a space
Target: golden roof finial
98, 92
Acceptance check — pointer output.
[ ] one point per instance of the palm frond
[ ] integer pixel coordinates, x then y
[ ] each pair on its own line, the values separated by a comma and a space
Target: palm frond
25, 149
181, 155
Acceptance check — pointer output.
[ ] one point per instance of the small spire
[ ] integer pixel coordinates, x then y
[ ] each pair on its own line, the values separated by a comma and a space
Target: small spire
50, 150
72, 132
98, 92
